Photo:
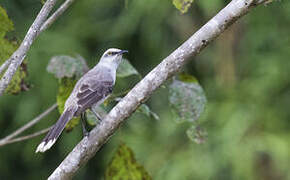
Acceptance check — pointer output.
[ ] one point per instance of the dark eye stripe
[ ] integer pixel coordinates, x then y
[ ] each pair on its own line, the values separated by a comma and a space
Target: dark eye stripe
110, 53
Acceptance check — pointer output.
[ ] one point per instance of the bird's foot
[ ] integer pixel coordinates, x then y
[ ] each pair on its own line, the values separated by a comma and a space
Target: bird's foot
84, 126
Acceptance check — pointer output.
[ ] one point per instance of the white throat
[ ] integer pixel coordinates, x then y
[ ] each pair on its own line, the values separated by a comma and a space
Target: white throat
109, 64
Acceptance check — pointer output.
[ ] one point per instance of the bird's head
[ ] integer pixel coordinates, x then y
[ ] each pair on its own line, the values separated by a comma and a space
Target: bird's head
113, 56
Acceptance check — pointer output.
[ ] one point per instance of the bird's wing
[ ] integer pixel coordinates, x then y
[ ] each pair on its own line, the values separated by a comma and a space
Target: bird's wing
93, 91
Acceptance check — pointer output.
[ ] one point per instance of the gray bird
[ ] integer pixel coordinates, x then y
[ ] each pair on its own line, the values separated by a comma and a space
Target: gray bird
90, 90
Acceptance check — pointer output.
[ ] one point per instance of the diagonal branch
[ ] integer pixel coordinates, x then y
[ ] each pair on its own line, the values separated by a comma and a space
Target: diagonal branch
28, 125
87, 148
40, 24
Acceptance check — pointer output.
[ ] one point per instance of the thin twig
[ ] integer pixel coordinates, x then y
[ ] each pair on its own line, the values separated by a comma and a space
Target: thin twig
44, 26
28, 125
172, 64
56, 14
22, 138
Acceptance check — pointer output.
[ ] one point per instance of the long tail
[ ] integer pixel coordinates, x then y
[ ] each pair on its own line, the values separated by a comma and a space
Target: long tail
56, 130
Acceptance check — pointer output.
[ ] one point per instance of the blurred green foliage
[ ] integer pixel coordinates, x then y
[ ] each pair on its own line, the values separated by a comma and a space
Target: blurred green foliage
123, 166
186, 98
144, 109
66, 66
68, 70
126, 69
66, 86
7, 47
244, 73
5, 23
187, 101
182, 5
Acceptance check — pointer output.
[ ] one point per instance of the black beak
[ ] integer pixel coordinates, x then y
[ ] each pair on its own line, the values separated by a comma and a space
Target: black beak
123, 51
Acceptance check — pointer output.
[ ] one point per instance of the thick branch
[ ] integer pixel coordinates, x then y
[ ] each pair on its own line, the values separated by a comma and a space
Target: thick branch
87, 148
40, 24
26, 126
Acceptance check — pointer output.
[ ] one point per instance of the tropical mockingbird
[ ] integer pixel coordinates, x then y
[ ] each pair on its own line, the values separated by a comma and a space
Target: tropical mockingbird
90, 90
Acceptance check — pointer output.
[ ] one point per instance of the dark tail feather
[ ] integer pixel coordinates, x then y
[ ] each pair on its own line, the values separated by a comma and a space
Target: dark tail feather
55, 131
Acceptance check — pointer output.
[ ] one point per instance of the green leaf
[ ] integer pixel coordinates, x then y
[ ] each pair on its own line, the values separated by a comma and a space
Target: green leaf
187, 78
187, 98
7, 48
92, 119
18, 83
68, 70
66, 66
197, 134
65, 87
6, 24
144, 109
125, 69
42, 1
123, 166
182, 5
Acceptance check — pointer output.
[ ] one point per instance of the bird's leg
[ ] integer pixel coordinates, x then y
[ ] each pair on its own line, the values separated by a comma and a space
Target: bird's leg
96, 114
84, 126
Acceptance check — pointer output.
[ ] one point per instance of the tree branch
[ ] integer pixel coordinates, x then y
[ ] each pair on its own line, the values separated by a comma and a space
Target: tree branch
26, 126
88, 146
56, 14
22, 138
40, 24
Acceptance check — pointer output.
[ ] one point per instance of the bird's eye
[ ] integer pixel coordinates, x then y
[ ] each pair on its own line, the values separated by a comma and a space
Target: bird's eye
111, 53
